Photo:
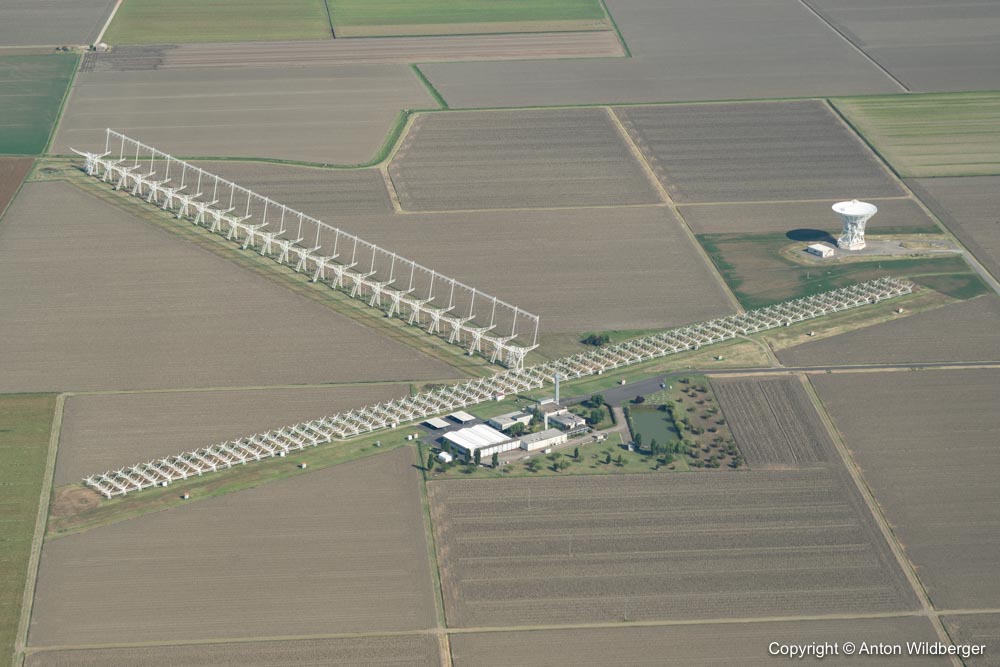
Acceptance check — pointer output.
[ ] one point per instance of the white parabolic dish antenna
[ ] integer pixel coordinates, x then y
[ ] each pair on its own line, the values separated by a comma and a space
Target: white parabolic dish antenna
854, 214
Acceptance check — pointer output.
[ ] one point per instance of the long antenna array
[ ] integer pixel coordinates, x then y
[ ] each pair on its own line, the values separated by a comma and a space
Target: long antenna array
499, 331
279, 442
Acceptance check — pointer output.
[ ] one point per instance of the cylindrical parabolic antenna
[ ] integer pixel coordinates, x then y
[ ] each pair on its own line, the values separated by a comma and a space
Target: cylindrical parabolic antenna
854, 214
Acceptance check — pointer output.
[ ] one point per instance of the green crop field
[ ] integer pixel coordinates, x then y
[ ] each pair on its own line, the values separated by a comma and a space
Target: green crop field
398, 17
759, 275
25, 420
182, 21
946, 134
32, 89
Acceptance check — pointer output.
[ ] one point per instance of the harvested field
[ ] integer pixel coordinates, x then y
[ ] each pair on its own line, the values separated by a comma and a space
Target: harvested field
800, 218
977, 629
926, 444
327, 194
760, 274
948, 134
968, 207
774, 422
101, 432
594, 44
929, 46
361, 18
964, 331
682, 51
179, 21
519, 552
755, 151
335, 551
32, 89
574, 270
54, 22
12, 173
716, 644
404, 651
317, 114
517, 159
95, 299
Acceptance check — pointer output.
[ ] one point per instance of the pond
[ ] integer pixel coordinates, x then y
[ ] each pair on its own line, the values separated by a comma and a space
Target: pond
654, 424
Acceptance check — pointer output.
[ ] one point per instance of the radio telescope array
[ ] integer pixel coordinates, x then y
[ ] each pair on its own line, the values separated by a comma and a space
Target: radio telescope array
399, 287
391, 414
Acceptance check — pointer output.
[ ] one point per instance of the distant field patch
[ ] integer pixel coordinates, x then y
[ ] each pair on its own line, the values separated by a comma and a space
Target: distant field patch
945, 134
369, 18
32, 89
12, 172
25, 420
758, 274
755, 151
537, 158
181, 21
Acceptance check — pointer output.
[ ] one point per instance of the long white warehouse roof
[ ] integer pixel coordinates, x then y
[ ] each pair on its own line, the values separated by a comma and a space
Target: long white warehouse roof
476, 437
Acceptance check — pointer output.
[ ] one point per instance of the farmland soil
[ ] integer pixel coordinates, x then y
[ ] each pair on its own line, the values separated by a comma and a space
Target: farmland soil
98, 300
926, 444
337, 550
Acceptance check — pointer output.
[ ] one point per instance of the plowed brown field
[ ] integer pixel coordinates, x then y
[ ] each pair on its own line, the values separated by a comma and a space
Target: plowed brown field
521, 552
338, 550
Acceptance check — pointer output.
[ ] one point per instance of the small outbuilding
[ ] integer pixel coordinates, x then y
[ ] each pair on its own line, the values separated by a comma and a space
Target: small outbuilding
820, 250
462, 417
445, 457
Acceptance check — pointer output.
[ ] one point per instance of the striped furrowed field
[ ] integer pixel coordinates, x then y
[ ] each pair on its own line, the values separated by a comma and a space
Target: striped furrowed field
519, 552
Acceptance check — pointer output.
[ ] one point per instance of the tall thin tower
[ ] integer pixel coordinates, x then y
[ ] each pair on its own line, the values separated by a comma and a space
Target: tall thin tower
855, 215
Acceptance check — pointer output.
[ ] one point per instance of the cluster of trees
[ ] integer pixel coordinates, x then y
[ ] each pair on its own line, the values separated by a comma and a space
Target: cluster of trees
596, 339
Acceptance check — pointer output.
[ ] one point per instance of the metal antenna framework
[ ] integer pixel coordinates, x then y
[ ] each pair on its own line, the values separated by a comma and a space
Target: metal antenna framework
507, 332
398, 411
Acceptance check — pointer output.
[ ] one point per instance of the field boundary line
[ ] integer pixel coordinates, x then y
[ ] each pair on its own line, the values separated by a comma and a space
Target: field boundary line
782, 201
532, 208
668, 200
875, 510
262, 387
41, 523
425, 502
107, 24
329, 19
390, 188
840, 33
488, 629
431, 89
62, 107
626, 51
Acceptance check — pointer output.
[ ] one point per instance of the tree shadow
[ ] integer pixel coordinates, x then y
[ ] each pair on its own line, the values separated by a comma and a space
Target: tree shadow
810, 235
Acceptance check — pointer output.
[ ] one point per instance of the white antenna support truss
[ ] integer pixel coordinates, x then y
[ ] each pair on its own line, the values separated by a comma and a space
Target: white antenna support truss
398, 411
397, 286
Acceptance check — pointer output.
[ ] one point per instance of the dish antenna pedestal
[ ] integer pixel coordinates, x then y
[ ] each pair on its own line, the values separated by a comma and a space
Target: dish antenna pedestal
855, 215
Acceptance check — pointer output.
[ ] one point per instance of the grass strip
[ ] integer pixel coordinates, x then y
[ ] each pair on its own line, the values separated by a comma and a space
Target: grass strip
25, 425
430, 87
